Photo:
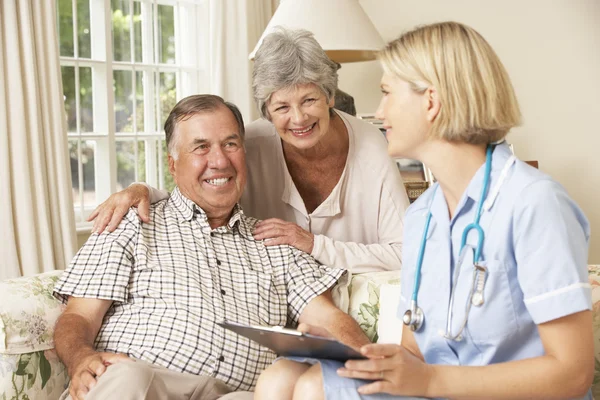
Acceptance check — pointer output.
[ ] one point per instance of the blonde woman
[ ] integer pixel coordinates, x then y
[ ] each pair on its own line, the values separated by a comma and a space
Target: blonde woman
495, 297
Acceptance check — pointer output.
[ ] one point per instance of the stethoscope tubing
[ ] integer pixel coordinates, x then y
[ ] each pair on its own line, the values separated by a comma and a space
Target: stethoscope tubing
416, 323
421, 254
475, 224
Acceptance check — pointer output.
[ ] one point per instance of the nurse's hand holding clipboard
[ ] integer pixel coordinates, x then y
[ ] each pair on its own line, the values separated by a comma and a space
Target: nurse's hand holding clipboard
393, 368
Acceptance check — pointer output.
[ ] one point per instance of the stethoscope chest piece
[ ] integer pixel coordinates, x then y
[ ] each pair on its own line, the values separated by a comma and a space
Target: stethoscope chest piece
479, 277
413, 318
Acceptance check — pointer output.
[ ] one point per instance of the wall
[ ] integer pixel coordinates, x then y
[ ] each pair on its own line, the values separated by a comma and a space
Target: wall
82, 237
552, 52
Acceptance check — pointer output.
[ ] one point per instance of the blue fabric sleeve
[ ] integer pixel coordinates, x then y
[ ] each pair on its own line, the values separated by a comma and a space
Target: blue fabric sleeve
551, 248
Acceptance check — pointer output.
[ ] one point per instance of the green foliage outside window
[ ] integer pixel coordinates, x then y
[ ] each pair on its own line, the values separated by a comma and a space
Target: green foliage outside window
123, 88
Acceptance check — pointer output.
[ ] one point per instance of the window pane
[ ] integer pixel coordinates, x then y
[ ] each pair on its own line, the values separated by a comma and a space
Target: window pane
166, 179
125, 163
121, 16
65, 28
166, 29
139, 100
83, 28
123, 87
73, 158
68, 79
86, 99
137, 31
88, 153
141, 161
168, 95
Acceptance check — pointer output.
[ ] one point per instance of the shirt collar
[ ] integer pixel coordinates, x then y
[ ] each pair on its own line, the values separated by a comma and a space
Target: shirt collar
500, 155
439, 207
187, 209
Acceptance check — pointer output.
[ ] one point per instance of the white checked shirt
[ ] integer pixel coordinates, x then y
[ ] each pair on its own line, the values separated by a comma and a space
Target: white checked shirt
173, 278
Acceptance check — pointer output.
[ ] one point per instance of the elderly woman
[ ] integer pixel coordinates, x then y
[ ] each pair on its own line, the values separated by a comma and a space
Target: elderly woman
319, 178
495, 296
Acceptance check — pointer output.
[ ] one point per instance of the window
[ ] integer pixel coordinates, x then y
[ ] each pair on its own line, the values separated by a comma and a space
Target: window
124, 65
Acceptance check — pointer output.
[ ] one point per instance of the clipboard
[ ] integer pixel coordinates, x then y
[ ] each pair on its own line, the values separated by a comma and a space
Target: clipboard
291, 343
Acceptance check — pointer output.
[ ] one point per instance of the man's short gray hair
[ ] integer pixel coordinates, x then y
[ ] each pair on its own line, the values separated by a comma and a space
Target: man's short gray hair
288, 58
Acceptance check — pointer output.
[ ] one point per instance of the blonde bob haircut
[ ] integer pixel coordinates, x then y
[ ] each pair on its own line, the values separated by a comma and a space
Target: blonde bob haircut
478, 102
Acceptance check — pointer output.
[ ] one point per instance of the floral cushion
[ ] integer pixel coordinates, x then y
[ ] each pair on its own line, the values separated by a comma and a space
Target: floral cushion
28, 312
37, 375
373, 294
29, 367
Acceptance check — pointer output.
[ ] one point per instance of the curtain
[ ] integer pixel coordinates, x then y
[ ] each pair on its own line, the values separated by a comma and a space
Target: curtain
235, 27
37, 228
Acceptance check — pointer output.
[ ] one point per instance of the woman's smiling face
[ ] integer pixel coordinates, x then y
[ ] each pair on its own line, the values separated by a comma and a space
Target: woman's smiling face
300, 114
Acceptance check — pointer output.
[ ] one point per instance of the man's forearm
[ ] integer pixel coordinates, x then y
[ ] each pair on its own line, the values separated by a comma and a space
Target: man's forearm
322, 312
73, 338
345, 329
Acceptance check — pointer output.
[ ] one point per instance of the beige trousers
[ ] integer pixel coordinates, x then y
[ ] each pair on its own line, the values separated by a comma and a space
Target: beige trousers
141, 380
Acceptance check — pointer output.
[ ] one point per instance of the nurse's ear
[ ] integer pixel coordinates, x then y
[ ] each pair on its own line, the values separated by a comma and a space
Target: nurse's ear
432, 102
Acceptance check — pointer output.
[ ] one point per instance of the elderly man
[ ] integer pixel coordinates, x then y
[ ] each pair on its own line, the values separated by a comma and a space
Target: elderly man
142, 301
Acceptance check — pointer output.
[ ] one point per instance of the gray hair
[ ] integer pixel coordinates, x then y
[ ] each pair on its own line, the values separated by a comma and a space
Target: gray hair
288, 58
192, 105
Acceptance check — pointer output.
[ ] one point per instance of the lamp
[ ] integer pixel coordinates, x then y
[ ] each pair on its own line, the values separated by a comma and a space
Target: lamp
341, 27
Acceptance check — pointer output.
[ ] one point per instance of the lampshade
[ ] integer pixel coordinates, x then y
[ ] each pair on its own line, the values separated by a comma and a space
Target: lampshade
340, 26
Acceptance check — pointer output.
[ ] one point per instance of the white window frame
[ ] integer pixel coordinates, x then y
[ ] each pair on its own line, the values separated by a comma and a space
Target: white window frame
191, 69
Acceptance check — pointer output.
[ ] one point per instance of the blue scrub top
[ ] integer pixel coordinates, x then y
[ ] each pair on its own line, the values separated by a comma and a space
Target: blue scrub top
535, 249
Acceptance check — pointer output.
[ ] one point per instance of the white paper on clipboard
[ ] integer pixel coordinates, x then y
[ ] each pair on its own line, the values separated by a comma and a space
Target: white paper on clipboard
291, 343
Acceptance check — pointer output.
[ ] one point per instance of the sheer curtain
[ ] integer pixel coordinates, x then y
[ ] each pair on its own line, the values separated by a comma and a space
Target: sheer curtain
37, 229
236, 26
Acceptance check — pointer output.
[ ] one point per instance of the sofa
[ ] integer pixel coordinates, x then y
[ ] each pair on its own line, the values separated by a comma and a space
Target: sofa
30, 369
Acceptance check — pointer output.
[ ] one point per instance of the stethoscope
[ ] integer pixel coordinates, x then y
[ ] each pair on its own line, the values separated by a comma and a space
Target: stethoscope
413, 317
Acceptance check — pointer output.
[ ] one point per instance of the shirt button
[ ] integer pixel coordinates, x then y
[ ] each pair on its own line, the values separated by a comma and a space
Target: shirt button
223, 291
221, 358
218, 262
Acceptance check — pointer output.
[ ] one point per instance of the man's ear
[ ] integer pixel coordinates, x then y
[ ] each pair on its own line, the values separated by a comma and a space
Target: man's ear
172, 166
432, 102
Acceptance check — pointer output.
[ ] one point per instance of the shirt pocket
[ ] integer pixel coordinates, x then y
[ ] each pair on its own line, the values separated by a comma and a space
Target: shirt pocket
496, 318
264, 301
169, 279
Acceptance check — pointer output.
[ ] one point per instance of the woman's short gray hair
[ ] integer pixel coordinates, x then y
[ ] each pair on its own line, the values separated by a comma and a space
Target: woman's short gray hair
288, 58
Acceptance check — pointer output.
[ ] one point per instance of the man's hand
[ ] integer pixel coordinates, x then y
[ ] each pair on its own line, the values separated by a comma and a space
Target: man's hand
394, 369
110, 213
276, 231
87, 368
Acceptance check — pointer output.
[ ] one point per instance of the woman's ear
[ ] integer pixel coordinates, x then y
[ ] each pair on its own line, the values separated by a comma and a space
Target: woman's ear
433, 103
332, 101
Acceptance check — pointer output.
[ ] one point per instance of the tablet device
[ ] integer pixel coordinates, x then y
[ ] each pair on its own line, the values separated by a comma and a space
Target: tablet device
292, 343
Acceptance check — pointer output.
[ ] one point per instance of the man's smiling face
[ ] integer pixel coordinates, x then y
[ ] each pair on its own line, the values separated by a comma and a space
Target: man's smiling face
211, 165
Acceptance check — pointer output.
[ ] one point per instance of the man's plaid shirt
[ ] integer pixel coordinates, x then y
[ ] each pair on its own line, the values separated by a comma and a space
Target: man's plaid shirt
173, 278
